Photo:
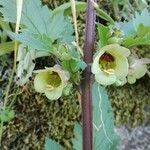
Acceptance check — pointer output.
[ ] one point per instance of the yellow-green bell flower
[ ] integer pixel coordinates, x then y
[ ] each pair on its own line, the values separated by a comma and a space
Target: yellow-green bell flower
110, 64
51, 81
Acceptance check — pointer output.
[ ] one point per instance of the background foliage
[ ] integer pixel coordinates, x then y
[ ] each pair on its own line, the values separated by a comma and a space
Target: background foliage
128, 101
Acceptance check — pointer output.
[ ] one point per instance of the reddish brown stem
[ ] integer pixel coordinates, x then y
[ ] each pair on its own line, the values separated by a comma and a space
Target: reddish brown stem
87, 83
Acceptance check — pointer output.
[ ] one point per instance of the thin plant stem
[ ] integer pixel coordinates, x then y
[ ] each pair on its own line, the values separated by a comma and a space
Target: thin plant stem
19, 12
87, 82
14, 98
8, 88
1, 131
6, 100
73, 6
19, 4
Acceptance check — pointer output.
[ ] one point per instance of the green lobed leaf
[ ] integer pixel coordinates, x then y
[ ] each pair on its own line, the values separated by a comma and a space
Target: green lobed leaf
130, 42
103, 122
130, 28
51, 145
103, 35
141, 38
35, 24
39, 42
36, 19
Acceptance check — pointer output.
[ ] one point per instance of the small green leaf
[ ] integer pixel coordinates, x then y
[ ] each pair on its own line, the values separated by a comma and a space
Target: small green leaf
143, 30
52, 145
130, 42
103, 35
142, 37
81, 65
102, 14
73, 65
65, 65
80, 6
70, 65
6, 47
6, 115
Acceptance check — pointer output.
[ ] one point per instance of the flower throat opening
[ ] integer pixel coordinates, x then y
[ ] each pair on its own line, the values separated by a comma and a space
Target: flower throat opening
53, 81
107, 63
